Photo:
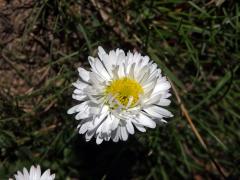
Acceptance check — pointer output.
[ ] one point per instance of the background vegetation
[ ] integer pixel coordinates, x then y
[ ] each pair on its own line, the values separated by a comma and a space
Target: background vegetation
196, 43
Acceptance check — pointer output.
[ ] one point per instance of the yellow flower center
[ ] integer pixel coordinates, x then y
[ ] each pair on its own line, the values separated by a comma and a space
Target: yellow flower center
123, 90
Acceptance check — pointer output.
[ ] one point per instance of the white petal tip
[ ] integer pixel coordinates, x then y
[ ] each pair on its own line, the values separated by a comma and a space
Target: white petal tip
164, 121
99, 141
101, 50
71, 111
53, 176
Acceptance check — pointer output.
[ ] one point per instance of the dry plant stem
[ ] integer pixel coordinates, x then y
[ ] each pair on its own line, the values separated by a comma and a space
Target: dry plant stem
186, 114
195, 131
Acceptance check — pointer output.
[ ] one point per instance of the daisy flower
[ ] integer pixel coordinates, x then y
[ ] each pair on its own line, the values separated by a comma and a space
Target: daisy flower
121, 93
34, 174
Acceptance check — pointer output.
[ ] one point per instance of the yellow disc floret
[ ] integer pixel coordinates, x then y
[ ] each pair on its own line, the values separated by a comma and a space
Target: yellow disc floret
123, 89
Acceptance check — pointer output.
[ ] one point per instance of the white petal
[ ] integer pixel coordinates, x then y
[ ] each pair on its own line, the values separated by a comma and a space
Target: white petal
162, 87
83, 128
99, 140
140, 127
139, 74
101, 51
94, 110
151, 111
158, 112
124, 133
45, 175
130, 127
146, 121
80, 85
107, 137
32, 172
105, 126
166, 95
116, 135
115, 122
19, 176
153, 68
162, 111
79, 97
149, 87
84, 74
97, 67
116, 57
78, 92
25, 172
108, 63
104, 112
83, 115
52, 177
38, 172
121, 72
143, 79
78, 108
89, 135
153, 99
163, 121
145, 60
164, 102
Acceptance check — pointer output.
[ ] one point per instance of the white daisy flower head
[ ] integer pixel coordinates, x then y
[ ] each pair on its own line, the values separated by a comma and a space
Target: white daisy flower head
121, 91
34, 174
